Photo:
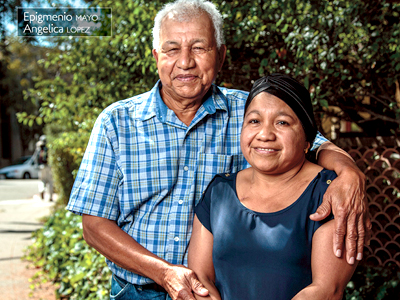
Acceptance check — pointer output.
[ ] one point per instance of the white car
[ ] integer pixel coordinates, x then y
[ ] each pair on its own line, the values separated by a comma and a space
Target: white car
24, 168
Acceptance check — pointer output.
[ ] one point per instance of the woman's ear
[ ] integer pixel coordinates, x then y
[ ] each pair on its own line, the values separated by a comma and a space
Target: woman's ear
307, 147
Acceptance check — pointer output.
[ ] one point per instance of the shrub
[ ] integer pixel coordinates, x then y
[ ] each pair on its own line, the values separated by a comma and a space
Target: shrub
65, 259
65, 156
374, 283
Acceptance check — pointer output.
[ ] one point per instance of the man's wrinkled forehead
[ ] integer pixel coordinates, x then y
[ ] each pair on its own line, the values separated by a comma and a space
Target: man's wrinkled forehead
176, 38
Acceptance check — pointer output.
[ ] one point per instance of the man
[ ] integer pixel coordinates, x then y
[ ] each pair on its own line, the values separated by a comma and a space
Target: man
150, 158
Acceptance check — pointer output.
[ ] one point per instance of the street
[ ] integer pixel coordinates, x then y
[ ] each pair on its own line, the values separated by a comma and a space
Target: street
20, 211
18, 189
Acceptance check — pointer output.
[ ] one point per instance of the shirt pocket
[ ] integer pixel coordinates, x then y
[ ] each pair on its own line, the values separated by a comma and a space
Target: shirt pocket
211, 164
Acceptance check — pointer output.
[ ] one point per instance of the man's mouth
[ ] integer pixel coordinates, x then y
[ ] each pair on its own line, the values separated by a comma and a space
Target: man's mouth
187, 77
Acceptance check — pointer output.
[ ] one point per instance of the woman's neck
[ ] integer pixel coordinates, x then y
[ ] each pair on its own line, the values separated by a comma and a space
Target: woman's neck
273, 192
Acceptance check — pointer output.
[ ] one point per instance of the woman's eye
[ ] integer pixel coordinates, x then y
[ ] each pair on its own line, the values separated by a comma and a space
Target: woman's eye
253, 121
283, 123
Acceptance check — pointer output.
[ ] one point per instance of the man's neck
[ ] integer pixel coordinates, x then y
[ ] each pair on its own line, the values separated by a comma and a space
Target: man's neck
185, 109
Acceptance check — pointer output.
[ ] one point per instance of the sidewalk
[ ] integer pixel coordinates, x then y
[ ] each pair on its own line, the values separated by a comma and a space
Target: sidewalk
18, 219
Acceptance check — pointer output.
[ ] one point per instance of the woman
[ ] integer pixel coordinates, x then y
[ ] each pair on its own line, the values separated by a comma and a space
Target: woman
252, 237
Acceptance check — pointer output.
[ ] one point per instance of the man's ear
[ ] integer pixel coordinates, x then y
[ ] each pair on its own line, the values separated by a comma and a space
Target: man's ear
221, 56
155, 54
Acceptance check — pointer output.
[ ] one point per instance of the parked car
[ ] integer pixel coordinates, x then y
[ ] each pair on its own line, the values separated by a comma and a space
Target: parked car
25, 167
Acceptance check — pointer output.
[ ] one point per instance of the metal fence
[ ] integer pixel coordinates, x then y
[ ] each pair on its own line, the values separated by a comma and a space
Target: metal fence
379, 159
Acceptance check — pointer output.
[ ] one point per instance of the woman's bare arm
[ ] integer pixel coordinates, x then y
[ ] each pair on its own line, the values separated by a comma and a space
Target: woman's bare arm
200, 259
330, 274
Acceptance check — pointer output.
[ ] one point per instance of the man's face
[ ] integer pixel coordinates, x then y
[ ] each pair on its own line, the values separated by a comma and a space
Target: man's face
188, 60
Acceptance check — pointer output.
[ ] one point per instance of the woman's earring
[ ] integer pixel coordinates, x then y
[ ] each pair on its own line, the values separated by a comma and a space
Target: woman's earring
306, 150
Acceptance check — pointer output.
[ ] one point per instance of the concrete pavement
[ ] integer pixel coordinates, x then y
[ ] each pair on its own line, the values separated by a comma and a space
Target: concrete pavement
18, 219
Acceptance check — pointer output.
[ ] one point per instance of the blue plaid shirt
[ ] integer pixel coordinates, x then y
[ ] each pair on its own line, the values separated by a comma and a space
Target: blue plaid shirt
146, 169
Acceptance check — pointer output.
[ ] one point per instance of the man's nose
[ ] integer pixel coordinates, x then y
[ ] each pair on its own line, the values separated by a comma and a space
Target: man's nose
186, 59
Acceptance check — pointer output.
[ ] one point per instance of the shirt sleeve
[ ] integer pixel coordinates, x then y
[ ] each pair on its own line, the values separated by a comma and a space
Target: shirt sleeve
95, 190
318, 141
327, 176
202, 209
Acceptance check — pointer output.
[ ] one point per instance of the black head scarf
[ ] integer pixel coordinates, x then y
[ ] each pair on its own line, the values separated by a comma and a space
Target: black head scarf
293, 94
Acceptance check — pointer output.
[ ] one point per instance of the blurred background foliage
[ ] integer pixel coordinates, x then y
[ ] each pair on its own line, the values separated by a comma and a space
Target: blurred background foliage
346, 52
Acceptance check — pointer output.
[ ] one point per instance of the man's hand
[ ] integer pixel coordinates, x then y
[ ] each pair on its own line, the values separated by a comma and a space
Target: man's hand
180, 283
115, 244
346, 198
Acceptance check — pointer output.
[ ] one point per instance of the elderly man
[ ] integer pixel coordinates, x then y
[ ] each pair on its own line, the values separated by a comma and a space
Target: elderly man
150, 158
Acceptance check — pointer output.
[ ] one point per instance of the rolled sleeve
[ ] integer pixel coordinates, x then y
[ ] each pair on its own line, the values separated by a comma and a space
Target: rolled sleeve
318, 141
95, 191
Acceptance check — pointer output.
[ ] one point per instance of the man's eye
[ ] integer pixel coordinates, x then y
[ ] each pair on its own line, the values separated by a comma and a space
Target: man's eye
253, 121
198, 50
171, 51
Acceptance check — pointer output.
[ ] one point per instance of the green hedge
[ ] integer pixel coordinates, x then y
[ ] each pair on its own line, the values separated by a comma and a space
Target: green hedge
374, 283
64, 257
65, 156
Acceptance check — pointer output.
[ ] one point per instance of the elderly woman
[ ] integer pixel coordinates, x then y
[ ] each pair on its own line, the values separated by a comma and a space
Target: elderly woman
252, 237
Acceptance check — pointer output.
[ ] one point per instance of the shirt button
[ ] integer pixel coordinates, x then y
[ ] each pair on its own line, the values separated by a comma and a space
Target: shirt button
186, 168
329, 181
180, 202
176, 239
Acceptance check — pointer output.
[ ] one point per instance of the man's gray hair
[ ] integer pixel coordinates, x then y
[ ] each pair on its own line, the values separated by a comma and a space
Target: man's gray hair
186, 10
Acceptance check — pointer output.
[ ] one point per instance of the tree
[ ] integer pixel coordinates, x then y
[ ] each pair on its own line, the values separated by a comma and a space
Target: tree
10, 90
92, 73
20, 67
345, 52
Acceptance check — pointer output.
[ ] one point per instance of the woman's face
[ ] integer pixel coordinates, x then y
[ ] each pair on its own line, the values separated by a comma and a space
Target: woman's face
272, 138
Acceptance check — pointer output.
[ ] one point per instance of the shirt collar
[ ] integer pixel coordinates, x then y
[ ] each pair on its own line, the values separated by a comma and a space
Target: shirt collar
156, 106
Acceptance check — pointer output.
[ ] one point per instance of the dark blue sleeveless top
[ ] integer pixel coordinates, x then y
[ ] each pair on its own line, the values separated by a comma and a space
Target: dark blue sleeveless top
260, 255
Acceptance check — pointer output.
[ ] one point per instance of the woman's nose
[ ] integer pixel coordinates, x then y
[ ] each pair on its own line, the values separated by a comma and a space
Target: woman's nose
267, 132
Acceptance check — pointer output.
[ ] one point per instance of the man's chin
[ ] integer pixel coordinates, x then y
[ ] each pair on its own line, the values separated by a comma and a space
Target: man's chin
190, 93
